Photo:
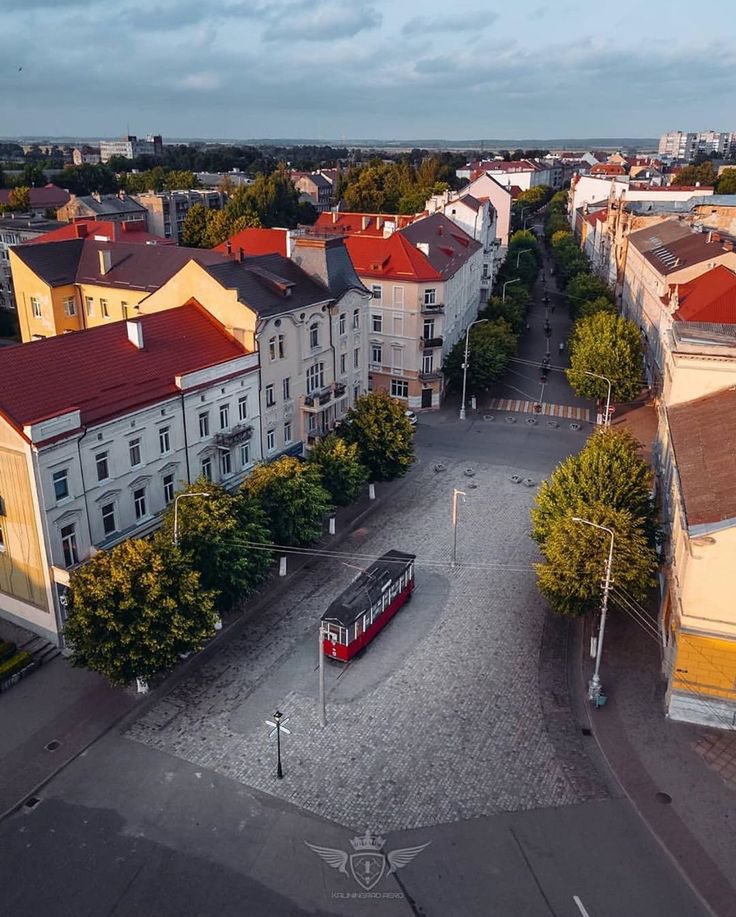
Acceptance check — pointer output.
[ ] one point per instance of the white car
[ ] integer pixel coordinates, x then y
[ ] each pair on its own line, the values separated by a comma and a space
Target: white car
412, 418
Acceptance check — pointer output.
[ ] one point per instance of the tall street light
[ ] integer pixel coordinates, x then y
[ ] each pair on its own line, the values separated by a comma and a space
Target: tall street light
503, 292
176, 511
594, 688
277, 727
478, 321
455, 494
606, 420
524, 251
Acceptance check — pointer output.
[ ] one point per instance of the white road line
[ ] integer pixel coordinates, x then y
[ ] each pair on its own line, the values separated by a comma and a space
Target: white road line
579, 903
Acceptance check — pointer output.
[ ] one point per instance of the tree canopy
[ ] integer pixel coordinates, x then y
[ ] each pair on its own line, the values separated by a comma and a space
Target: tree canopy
490, 348
703, 174
395, 187
19, 200
378, 425
609, 345
727, 182
340, 469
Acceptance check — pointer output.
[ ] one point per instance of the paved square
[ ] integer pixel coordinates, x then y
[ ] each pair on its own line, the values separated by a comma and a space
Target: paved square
438, 720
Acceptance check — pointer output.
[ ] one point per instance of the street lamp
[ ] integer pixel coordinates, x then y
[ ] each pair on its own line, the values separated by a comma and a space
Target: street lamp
478, 321
455, 494
176, 511
278, 727
606, 420
594, 688
522, 252
503, 292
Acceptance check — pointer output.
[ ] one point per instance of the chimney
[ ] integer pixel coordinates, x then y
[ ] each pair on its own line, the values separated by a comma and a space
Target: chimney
728, 245
228, 247
423, 248
365, 221
135, 334
97, 196
335, 215
241, 255
121, 194
105, 256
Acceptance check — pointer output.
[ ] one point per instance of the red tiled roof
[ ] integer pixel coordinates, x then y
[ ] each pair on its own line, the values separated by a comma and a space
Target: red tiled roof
352, 223
708, 298
100, 372
608, 168
256, 242
514, 191
102, 231
49, 196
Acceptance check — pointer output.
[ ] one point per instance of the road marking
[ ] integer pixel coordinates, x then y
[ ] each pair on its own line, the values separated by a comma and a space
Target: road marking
515, 405
581, 908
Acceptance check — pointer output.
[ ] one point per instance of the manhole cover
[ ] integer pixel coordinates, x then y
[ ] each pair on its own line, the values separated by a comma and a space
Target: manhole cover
664, 798
528, 482
532, 421
439, 467
586, 731
489, 417
469, 472
472, 485
553, 424
510, 419
574, 426
516, 478
31, 802
53, 745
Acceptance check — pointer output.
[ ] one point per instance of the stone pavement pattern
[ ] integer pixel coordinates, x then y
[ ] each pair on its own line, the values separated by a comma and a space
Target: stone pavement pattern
452, 728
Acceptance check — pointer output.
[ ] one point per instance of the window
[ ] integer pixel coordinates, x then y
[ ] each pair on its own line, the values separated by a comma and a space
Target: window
244, 455
2, 540
90, 305
287, 432
103, 471
108, 518
314, 335
356, 357
286, 388
204, 424
276, 347
134, 449
35, 307
427, 360
207, 468
343, 370
377, 321
315, 377
126, 308
399, 388
376, 291
69, 545
270, 399
399, 296
270, 440
224, 416
103, 308
356, 393
430, 297
61, 484
376, 354
226, 465
139, 502
343, 319
70, 307
243, 407
312, 423
397, 359
164, 440
168, 488
356, 319
428, 331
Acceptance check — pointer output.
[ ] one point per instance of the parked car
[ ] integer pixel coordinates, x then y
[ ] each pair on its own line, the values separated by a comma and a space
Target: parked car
412, 418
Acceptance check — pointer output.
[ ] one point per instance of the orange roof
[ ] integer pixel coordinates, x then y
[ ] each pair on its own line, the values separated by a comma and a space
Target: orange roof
608, 168
708, 298
393, 257
255, 241
367, 224
103, 231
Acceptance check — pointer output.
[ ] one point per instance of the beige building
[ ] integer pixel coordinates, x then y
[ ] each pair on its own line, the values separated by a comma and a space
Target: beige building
115, 207
167, 210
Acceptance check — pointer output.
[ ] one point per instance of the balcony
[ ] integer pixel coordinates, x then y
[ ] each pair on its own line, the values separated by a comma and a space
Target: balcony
431, 342
433, 308
340, 389
314, 402
431, 376
238, 434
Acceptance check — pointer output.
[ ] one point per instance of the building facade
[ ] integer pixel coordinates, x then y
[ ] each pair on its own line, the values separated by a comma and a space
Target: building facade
118, 207
167, 210
686, 145
130, 146
15, 229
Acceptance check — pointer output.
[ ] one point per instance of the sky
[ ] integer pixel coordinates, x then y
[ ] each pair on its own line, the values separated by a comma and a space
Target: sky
347, 69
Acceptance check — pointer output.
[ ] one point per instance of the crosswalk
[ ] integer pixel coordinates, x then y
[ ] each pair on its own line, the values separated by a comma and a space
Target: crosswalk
520, 406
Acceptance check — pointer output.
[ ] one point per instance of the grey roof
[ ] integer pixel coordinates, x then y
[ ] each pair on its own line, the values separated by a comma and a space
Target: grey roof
269, 284
449, 245
29, 224
470, 201
319, 180
111, 203
654, 237
326, 259
687, 206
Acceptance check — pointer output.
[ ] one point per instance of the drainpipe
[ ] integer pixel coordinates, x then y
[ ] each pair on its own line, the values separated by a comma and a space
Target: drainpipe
186, 440
84, 486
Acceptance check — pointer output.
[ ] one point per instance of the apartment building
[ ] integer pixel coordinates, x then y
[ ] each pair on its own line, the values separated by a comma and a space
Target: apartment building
118, 207
167, 210
14, 230
130, 146
485, 187
80, 283
315, 188
686, 145
91, 457
86, 155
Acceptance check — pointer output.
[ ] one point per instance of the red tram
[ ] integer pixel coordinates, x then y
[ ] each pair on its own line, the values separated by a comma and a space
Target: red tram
367, 605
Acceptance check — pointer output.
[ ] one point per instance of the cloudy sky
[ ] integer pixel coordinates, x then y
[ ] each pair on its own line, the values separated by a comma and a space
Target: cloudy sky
332, 69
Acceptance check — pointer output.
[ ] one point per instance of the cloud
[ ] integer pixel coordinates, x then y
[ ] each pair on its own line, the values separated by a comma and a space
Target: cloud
205, 80
321, 21
472, 21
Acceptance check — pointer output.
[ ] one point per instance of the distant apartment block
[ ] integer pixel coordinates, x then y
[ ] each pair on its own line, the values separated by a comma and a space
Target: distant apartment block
167, 210
86, 155
686, 145
130, 146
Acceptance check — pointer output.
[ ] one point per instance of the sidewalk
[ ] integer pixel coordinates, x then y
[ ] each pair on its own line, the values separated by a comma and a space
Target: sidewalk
672, 772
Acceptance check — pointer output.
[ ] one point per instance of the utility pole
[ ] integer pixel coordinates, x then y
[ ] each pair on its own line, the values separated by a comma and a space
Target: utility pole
594, 688
465, 363
503, 292
455, 494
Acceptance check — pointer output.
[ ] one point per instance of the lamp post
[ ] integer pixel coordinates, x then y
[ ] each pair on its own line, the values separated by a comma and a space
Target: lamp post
606, 420
278, 727
455, 494
503, 292
478, 321
524, 251
176, 511
322, 704
594, 688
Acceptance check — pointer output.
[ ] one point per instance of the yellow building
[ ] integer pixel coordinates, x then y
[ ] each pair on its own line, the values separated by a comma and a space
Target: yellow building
80, 283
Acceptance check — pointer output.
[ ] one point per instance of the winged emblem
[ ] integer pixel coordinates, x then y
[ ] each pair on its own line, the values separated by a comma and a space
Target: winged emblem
397, 859
337, 859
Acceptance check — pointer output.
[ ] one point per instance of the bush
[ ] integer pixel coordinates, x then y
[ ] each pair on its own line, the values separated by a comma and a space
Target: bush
340, 468
378, 425
17, 662
7, 650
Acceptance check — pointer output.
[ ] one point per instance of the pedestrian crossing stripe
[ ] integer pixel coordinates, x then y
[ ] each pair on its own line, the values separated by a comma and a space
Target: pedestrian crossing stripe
519, 406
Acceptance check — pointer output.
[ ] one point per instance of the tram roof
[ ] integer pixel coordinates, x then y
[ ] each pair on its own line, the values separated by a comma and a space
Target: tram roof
352, 602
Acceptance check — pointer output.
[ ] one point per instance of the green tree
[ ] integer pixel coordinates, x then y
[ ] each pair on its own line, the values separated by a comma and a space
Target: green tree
609, 345
727, 182
378, 425
584, 287
293, 498
575, 556
273, 199
32, 176
593, 306
703, 174
339, 465
180, 179
513, 310
490, 348
212, 532
219, 228
19, 200
608, 470
133, 610
194, 227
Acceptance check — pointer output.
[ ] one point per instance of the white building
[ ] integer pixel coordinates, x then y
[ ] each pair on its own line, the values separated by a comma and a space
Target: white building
686, 145
130, 146
16, 228
93, 456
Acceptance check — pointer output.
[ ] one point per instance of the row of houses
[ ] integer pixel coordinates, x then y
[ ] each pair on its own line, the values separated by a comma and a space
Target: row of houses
670, 258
